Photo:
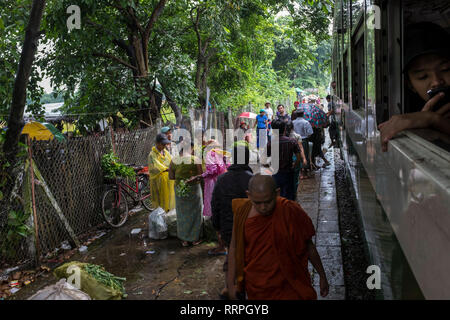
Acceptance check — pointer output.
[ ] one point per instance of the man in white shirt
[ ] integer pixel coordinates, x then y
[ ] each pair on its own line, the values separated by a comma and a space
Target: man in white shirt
302, 126
304, 129
269, 111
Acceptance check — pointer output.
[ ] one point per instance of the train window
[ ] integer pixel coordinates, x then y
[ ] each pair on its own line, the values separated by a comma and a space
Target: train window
357, 12
338, 27
358, 74
345, 80
346, 22
436, 12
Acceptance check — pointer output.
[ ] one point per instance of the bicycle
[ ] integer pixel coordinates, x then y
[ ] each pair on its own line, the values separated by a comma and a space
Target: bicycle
114, 201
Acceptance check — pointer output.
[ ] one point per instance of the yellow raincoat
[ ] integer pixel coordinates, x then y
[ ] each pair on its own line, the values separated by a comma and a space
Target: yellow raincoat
162, 189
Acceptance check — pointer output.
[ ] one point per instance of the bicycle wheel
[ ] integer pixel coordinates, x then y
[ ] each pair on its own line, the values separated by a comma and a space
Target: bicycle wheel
145, 192
115, 208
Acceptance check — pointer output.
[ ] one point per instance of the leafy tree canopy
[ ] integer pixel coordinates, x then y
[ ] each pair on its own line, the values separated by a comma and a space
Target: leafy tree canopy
130, 52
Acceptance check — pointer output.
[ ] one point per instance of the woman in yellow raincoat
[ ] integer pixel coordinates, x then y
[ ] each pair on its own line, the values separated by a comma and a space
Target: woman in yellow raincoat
162, 189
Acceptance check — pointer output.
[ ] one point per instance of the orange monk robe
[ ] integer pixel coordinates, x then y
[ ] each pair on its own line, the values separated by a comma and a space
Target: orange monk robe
272, 263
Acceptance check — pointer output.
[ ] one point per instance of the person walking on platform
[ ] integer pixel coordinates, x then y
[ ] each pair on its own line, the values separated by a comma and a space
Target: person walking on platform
268, 110
332, 129
269, 114
281, 114
270, 247
261, 124
288, 147
293, 135
231, 185
304, 129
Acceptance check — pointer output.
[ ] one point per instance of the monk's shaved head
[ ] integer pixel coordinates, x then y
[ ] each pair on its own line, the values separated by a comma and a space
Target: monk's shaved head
262, 184
263, 193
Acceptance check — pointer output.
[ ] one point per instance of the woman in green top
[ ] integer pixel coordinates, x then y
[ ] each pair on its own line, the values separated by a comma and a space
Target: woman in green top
188, 196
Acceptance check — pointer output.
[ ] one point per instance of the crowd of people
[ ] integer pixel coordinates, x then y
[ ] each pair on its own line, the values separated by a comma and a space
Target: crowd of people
262, 230
222, 186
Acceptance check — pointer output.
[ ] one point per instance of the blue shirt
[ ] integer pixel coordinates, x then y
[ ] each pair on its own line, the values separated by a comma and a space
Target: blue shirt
261, 121
302, 127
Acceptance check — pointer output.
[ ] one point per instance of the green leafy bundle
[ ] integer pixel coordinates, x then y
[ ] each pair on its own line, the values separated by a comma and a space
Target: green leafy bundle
112, 168
183, 189
101, 275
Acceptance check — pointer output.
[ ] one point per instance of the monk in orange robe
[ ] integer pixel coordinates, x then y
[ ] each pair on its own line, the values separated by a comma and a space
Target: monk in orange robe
270, 247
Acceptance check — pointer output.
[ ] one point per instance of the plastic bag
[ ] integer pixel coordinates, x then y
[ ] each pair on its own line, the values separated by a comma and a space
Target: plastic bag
171, 221
157, 227
60, 291
88, 284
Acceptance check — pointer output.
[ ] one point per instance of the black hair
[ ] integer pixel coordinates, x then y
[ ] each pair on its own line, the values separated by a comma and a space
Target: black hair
280, 125
289, 127
299, 113
328, 97
293, 115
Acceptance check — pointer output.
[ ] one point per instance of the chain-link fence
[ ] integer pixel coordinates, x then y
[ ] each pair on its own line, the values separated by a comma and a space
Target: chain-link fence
68, 186
61, 197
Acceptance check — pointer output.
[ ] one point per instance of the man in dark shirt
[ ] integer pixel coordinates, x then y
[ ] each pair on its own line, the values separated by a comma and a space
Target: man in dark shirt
288, 147
332, 130
233, 184
281, 114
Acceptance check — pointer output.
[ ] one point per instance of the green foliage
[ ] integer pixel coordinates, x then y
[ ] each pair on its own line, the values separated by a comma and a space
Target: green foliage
183, 189
112, 168
14, 232
54, 97
104, 277
253, 56
17, 225
14, 16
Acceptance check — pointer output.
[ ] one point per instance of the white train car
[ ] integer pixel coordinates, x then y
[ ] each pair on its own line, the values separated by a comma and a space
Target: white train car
403, 194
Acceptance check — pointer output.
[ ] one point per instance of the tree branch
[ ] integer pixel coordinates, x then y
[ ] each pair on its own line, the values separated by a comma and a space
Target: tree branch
155, 15
114, 58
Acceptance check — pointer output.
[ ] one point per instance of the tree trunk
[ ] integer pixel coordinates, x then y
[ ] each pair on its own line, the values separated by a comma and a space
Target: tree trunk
175, 108
15, 121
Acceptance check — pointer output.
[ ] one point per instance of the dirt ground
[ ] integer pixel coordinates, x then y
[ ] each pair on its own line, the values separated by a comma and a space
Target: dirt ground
154, 269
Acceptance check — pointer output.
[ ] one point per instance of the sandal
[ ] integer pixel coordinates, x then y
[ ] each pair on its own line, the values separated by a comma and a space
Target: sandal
196, 243
185, 244
216, 253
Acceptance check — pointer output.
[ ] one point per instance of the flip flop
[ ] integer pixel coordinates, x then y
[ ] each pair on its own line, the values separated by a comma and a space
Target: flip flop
213, 253
196, 243
185, 244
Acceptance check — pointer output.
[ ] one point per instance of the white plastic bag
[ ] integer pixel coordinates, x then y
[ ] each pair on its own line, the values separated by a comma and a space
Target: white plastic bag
171, 221
157, 227
62, 290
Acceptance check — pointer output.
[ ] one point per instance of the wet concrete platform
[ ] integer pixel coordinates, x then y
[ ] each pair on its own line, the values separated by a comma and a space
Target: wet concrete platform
317, 196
